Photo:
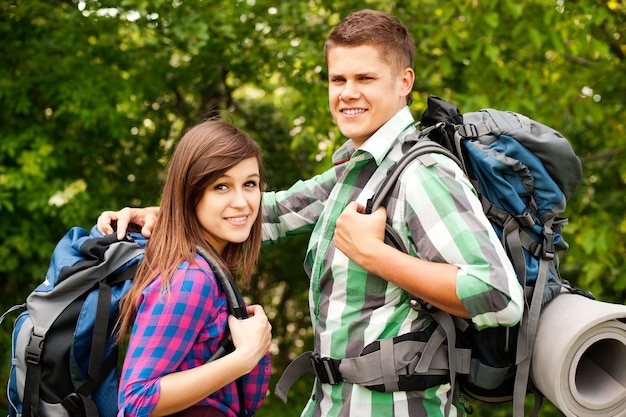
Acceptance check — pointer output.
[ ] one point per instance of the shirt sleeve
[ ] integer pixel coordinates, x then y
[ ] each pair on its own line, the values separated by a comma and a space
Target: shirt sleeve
296, 210
447, 224
164, 332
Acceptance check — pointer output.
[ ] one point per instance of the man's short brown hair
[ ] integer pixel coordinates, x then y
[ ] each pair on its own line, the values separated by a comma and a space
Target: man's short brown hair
378, 29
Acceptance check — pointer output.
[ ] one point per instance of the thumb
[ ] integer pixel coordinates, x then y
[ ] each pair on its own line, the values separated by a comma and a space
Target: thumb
354, 206
380, 212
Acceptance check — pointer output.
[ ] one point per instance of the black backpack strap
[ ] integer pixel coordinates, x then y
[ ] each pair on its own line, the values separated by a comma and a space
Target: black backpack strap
236, 304
76, 401
421, 147
99, 366
237, 307
30, 406
73, 401
242, 399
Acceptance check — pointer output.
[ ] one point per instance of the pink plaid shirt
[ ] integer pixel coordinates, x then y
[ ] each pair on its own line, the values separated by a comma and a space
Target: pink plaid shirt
180, 331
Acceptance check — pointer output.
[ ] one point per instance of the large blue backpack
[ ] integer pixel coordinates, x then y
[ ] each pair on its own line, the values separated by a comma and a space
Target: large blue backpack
524, 173
64, 359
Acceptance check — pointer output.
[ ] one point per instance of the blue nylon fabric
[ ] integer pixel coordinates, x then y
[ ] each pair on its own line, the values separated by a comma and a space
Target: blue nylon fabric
66, 253
510, 176
506, 168
15, 401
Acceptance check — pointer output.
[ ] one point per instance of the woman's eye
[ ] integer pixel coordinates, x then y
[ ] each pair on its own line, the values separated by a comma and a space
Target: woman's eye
252, 184
220, 187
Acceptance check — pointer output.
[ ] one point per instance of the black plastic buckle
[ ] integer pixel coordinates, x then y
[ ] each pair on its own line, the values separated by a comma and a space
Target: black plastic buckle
549, 250
33, 350
580, 291
326, 369
526, 218
468, 131
72, 402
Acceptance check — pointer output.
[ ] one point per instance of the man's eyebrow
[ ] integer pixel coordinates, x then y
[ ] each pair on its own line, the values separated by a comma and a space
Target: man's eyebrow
360, 74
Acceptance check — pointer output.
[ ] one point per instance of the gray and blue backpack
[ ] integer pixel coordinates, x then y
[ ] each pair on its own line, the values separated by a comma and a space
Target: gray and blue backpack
524, 173
64, 356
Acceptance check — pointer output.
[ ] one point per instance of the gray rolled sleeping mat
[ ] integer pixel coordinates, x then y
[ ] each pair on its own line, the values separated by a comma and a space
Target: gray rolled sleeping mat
579, 357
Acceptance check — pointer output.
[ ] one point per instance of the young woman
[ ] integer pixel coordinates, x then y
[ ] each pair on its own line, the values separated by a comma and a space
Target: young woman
176, 313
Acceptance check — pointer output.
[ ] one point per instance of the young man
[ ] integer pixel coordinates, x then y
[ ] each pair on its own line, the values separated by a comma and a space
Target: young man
358, 284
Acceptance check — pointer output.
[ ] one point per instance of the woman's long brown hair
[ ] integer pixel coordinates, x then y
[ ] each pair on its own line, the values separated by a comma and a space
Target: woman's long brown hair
204, 153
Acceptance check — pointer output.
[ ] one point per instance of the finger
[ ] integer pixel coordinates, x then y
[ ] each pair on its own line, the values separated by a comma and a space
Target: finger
122, 226
234, 324
354, 206
104, 223
255, 310
146, 230
122, 222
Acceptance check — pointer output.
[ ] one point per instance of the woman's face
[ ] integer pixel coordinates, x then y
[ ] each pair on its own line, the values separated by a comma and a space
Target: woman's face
230, 205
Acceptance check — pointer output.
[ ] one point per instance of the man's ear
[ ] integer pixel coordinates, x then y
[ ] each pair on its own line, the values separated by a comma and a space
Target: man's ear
407, 80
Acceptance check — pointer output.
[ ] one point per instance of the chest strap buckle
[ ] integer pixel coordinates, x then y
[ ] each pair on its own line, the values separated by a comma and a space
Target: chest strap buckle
326, 369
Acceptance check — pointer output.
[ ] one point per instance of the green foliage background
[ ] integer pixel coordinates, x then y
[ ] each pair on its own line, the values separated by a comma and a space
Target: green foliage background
94, 94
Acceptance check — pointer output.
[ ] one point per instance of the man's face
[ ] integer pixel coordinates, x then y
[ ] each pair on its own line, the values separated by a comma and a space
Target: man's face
364, 91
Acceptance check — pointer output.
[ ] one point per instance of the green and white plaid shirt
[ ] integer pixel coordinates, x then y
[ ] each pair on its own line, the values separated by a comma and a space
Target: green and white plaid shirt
438, 216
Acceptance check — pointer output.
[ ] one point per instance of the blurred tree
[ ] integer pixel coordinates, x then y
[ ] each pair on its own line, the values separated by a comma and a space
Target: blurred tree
94, 94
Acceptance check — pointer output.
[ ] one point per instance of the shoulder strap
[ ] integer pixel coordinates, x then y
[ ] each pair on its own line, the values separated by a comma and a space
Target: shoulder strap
236, 303
237, 308
421, 147
445, 320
